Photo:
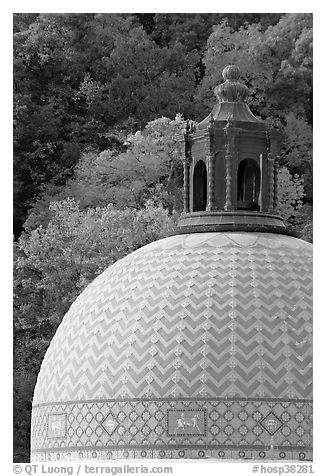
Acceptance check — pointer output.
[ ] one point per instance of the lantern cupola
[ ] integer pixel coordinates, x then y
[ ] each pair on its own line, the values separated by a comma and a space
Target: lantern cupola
230, 167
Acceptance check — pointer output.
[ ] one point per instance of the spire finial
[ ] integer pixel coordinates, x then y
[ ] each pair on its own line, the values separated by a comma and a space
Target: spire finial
231, 73
231, 90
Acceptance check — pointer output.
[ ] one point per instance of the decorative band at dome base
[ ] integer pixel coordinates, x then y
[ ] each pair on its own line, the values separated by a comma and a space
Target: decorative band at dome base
174, 428
238, 220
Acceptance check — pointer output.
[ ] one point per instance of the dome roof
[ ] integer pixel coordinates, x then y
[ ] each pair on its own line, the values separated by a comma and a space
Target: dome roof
195, 345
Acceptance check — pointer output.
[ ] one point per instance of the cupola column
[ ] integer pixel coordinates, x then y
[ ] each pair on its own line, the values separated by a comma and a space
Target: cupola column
186, 167
276, 167
210, 166
229, 152
271, 191
274, 150
270, 165
228, 180
210, 192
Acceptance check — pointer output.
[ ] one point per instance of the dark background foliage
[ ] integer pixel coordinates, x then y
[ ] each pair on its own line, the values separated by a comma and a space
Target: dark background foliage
98, 102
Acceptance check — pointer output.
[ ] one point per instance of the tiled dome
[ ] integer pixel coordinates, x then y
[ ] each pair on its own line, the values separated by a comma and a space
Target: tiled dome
197, 345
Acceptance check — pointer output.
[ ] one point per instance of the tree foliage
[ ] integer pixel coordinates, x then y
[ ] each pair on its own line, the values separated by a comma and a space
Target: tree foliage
53, 265
149, 167
82, 78
276, 63
79, 79
290, 193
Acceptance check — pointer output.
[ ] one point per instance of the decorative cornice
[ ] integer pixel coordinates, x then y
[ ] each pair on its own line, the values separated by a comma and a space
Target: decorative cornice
232, 220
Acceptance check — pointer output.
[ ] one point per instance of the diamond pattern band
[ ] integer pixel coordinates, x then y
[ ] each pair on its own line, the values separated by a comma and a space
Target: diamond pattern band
250, 426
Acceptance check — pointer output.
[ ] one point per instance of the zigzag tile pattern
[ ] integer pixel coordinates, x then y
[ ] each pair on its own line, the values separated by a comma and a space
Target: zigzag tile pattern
204, 315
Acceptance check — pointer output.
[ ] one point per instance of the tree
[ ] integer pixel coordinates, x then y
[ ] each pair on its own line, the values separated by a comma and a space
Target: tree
56, 262
53, 265
297, 151
193, 29
290, 194
276, 63
149, 167
81, 79
304, 222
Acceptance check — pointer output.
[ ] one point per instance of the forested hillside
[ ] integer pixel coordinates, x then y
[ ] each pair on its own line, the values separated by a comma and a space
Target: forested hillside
99, 100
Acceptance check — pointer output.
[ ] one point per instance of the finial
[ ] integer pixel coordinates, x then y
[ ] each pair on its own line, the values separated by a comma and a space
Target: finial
231, 90
231, 73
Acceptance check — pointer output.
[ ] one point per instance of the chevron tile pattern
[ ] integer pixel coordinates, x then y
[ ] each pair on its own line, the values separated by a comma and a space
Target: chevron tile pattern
199, 316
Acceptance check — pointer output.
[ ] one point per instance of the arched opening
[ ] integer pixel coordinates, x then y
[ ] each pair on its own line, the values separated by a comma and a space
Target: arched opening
200, 187
248, 185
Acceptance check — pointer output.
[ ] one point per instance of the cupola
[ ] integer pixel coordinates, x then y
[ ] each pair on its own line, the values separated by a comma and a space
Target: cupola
231, 166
